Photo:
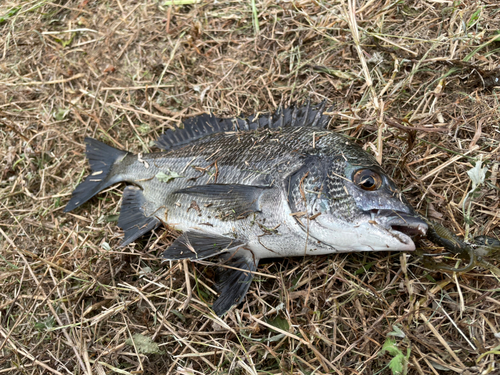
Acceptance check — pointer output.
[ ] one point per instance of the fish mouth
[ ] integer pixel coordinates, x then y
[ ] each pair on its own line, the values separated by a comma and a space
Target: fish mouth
402, 225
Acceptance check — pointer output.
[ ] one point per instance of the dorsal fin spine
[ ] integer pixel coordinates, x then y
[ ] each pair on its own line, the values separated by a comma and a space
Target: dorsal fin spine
175, 136
294, 114
204, 128
281, 117
207, 124
307, 109
247, 124
319, 114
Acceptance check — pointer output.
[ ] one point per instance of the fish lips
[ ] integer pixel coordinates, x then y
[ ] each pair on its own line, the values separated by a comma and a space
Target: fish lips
404, 226
374, 230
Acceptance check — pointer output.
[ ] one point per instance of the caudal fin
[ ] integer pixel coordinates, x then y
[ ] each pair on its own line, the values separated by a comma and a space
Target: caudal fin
101, 158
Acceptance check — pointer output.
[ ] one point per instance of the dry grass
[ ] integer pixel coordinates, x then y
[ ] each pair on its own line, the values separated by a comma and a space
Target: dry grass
413, 81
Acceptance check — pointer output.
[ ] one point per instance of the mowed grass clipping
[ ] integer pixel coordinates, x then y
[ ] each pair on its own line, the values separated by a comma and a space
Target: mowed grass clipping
416, 83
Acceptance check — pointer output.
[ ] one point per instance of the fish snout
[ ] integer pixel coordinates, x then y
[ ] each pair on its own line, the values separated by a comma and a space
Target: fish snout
409, 224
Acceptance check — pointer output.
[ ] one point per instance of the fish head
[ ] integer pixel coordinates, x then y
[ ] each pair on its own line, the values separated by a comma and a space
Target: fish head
354, 207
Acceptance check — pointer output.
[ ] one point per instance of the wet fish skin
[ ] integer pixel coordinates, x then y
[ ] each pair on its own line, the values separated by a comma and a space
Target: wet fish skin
250, 189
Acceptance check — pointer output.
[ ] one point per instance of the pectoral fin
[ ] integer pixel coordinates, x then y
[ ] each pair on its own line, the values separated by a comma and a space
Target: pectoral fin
197, 245
233, 284
229, 202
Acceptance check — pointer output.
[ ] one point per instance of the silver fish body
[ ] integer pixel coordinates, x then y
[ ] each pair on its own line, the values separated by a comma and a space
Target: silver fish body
248, 189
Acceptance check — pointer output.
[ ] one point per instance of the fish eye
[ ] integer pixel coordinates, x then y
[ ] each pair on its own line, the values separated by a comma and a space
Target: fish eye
367, 179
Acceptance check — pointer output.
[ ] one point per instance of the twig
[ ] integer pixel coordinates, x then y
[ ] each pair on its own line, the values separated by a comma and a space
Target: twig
441, 340
38, 83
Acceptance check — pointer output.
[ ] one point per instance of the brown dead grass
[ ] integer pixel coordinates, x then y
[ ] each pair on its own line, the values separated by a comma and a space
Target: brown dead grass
414, 80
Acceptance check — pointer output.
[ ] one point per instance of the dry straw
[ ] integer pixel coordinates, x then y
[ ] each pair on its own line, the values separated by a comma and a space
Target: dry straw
412, 81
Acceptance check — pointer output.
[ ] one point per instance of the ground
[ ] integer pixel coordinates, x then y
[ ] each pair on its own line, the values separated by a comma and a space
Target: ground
414, 82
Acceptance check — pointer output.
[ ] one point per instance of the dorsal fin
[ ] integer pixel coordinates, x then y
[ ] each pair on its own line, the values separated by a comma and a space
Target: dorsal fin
206, 124
197, 127
305, 115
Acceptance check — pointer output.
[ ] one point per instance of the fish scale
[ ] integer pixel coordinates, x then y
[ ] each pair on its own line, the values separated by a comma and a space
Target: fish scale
284, 187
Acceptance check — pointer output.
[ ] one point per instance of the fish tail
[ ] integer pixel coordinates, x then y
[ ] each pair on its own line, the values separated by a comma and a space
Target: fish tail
101, 158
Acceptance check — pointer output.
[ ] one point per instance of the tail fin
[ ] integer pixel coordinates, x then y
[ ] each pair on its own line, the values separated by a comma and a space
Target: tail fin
101, 158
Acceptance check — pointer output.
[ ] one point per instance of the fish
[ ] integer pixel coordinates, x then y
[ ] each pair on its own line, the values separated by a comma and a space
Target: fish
249, 188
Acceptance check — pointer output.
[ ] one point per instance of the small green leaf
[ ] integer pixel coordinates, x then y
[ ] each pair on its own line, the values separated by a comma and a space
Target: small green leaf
468, 220
61, 114
397, 364
166, 177
144, 344
45, 325
144, 128
11, 12
390, 347
266, 339
111, 218
65, 42
295, 281
366, 267
145, 271
203, 294
179, 315
396, 331
474, 17
430, 278
255, 18
280, 323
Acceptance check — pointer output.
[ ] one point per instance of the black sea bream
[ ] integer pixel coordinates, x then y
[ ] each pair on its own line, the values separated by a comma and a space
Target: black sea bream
248, 189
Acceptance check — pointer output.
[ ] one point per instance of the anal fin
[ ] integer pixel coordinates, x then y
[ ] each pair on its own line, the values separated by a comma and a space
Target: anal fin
232, 284
133, 219
197, 245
